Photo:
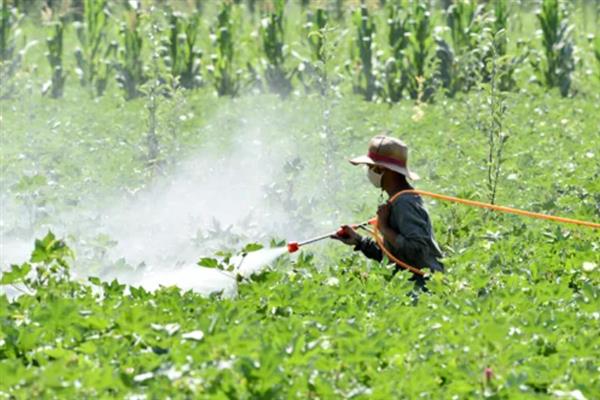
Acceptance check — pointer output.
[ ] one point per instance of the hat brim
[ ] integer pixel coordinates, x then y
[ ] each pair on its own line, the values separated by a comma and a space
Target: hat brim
366, 160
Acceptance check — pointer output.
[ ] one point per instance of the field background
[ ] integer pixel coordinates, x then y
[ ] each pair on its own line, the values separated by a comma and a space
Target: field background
163, 175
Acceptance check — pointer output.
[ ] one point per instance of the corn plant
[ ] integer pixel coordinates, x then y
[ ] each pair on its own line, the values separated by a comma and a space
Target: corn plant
130, 67
315, 26
463, 62
226, 80
313, 73
180, 53
365, 33
420, 52
93, 67
555, 67
272, 33
10, 20
11, 57
398, 40
55, 58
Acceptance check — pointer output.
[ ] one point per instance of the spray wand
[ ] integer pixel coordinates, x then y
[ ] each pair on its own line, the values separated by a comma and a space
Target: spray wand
343, 233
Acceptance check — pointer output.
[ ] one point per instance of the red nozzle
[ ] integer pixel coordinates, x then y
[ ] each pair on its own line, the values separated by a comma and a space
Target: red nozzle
293, 247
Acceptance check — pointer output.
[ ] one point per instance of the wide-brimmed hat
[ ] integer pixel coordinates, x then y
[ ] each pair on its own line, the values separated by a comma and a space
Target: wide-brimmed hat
387, 152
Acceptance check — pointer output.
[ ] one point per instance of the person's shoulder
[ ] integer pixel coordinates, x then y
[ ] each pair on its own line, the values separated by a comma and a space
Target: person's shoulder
408, 198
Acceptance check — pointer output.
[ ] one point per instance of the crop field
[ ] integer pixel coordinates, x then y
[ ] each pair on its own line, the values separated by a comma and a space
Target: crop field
157, 156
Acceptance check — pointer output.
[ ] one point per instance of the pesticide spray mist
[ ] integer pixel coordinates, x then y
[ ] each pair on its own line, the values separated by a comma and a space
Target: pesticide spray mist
229, 192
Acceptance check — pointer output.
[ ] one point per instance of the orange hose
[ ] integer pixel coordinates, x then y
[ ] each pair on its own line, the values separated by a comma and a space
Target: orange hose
472, 203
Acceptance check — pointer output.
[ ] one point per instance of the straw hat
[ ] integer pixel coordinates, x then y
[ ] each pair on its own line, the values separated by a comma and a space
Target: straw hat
387, 152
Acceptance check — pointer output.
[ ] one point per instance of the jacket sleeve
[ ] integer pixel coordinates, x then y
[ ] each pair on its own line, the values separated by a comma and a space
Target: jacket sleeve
369, 248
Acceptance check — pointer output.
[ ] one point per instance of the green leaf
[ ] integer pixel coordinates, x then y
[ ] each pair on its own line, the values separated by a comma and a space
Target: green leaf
16, 274
250, 247
208, 262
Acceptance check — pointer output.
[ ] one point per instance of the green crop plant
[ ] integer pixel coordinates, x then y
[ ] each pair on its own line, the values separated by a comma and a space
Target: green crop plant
10, 20
180, 54
272, 34
54, 55
365, 33
316, 24
463, 63
420, 53
94, 52
313, 74
226, 80
464, 19
10, 57
555, 67
130, 66
398, 40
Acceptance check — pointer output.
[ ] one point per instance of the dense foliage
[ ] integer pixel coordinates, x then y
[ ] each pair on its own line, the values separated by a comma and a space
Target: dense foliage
132, 92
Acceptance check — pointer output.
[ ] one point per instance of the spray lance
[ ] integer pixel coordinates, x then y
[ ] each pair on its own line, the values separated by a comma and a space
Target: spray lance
343, 233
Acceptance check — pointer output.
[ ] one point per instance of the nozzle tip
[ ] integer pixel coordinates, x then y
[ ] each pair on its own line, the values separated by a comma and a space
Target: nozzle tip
293, 247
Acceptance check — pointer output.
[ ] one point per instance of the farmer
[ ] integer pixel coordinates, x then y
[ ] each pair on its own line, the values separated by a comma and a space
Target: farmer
404, 224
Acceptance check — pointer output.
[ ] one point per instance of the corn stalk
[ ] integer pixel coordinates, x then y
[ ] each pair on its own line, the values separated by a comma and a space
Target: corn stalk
94, 52
272, 33
313, 73
181, 56
555, 68
398, 39
365, 33
130, 67
420, 53
10, 58
226, 80
54, 55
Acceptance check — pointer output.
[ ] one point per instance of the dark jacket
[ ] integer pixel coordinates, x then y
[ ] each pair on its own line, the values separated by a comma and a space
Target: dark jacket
415, 244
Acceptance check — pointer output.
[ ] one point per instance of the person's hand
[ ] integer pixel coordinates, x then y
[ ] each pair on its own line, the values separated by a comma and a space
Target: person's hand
383, 215
350, 236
